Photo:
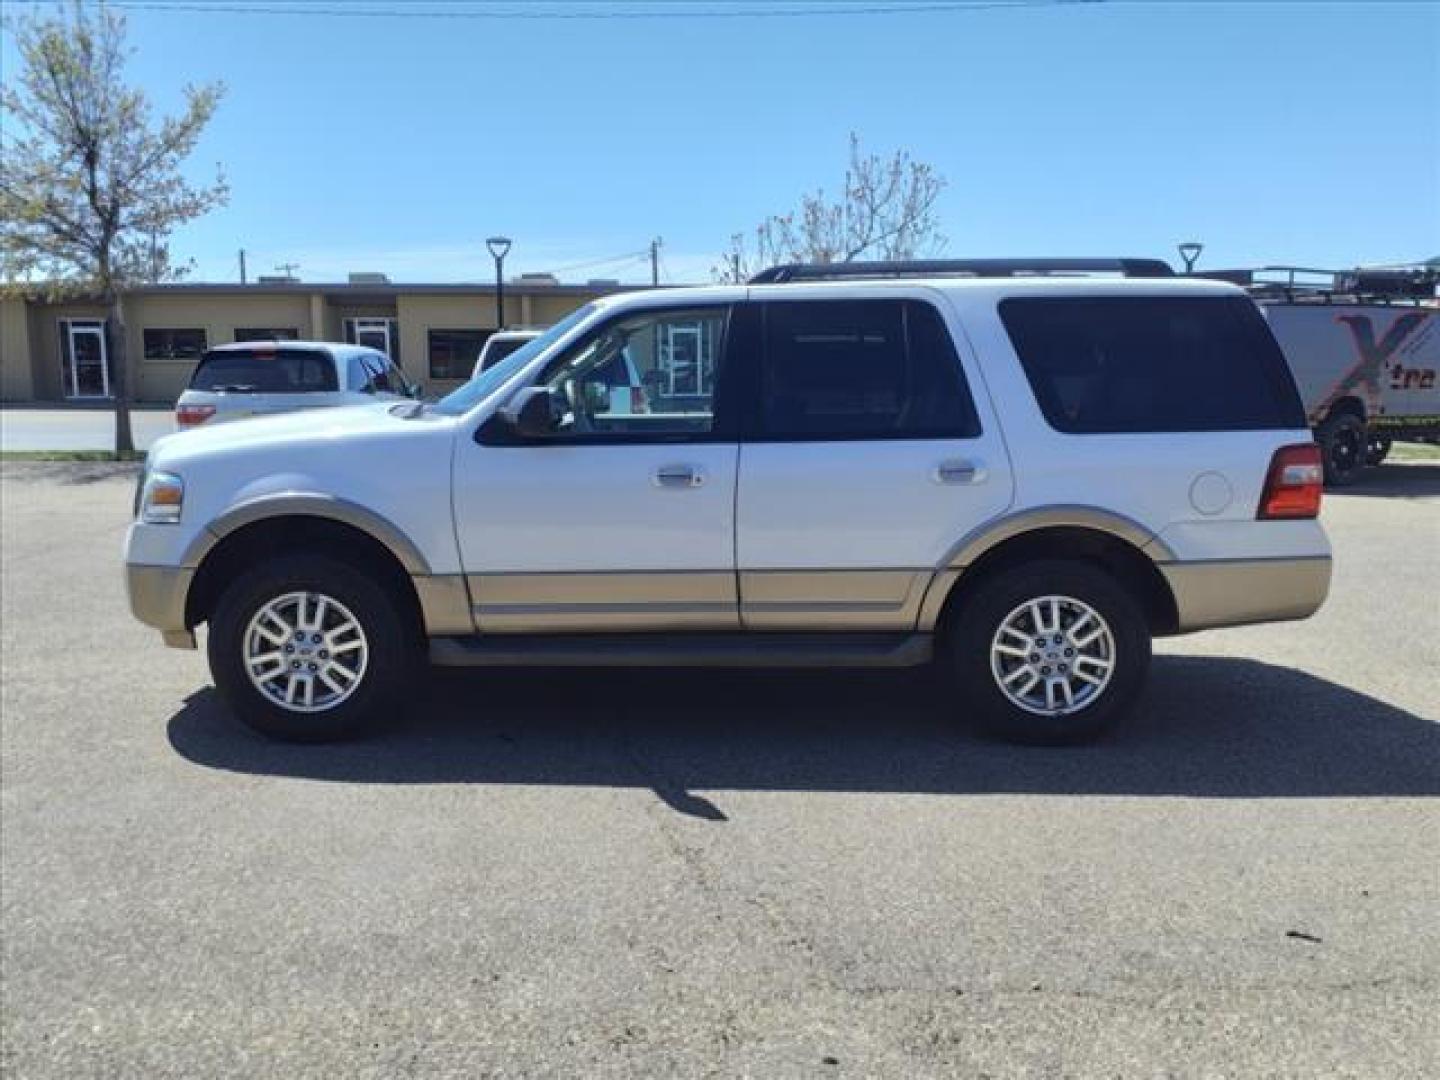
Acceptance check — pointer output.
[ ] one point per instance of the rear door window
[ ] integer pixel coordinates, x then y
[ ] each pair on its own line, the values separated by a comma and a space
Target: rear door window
265, 371
1110, 364
861, 369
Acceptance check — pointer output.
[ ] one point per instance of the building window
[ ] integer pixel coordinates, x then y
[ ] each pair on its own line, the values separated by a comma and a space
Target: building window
453, 352
174, 344
375, 332
260, 333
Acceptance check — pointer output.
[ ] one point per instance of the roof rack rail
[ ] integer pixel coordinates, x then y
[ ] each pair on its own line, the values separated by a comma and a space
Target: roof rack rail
1386, 284
961, 267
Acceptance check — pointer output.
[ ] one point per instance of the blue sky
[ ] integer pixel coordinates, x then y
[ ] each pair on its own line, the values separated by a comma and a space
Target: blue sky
1273, 132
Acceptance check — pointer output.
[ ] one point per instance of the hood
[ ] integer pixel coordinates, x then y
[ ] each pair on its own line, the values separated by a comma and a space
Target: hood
306, 426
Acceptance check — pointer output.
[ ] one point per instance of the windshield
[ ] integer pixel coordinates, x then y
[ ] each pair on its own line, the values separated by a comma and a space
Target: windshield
265, 370
466, 397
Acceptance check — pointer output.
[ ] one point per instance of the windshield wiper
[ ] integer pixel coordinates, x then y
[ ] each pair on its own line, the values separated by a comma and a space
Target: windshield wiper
235, 388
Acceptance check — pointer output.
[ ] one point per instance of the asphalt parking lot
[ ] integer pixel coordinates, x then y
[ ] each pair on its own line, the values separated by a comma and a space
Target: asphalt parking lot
678, 873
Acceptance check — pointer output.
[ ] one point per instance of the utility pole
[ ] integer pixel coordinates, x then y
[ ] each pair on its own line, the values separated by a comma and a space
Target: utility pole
655, 260
242, 266
735, 263
288, 269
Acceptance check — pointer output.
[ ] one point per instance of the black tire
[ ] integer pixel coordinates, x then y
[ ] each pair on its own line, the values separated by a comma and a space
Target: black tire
1343, 447
977, 622
1378, 450
392, 647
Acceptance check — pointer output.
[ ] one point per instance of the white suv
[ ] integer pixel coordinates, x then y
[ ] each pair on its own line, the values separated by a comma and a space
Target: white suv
258, 378
1022, 473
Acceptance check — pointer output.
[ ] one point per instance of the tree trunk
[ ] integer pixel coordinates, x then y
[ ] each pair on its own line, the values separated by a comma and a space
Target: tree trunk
116, 349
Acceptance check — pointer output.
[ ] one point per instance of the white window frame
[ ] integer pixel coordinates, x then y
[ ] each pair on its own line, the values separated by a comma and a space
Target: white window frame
368, 324
703, 373
68, 329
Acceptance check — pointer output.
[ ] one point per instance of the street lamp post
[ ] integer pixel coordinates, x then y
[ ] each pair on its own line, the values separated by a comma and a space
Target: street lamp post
1190, 252
499, 247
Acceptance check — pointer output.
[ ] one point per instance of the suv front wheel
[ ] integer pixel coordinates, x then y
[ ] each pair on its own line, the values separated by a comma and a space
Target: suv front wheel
309, 649
1049, 652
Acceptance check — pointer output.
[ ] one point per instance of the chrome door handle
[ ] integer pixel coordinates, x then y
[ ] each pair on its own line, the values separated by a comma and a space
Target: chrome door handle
959, 471
678, 476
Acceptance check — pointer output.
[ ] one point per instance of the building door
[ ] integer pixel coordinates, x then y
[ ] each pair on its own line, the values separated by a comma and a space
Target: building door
373, 334
85, 365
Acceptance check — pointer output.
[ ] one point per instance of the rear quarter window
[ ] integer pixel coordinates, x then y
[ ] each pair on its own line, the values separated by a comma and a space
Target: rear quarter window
265, 371
1109, 364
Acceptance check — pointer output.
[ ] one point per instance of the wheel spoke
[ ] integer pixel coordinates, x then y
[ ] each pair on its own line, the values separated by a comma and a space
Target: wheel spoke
1023, 670
328, 678
1036, 618
275, 661
317, 620
1010, 650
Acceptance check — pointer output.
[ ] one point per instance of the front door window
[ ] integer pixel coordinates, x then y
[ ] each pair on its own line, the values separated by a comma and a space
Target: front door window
84, 363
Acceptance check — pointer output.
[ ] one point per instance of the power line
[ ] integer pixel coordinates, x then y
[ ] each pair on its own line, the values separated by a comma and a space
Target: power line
846, 8
631, 256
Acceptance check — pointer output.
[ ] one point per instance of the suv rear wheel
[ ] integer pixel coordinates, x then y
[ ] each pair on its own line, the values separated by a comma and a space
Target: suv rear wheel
309, 649
1049, 652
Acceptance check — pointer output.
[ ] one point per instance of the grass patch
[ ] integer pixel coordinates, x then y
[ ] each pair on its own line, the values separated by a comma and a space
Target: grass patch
64, 455
1414, 451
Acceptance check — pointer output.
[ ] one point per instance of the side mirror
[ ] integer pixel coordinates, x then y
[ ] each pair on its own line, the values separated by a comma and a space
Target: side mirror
535, 412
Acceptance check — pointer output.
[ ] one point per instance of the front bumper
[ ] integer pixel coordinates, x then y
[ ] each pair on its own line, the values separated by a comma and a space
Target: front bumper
1233, 592
157, 598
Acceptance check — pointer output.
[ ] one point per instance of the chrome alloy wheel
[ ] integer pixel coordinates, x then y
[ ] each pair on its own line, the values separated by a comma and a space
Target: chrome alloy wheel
1053, 655
306, 652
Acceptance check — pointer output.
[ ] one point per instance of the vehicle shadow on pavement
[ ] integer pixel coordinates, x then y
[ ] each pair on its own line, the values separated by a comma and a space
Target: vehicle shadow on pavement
1207, 727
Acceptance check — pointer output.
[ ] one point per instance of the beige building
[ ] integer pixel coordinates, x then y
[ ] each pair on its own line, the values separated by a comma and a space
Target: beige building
54, 350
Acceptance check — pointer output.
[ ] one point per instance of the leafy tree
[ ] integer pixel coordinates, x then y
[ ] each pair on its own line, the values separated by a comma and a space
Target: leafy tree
90, 182
886, 210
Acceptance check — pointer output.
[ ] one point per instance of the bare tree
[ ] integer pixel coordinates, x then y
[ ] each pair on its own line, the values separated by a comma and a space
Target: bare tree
886, 210
90, 184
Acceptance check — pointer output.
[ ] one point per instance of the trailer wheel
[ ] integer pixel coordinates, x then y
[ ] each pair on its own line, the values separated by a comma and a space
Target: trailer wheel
1378, 450
1343, 446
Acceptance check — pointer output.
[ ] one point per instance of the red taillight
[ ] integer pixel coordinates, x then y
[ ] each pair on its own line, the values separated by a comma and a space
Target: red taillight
190, 415
1292, 488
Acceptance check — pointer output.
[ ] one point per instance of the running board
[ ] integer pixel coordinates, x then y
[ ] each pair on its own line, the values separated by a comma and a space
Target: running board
683, 650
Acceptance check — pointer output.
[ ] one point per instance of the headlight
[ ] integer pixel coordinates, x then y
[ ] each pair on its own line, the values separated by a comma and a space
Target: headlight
161, 497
